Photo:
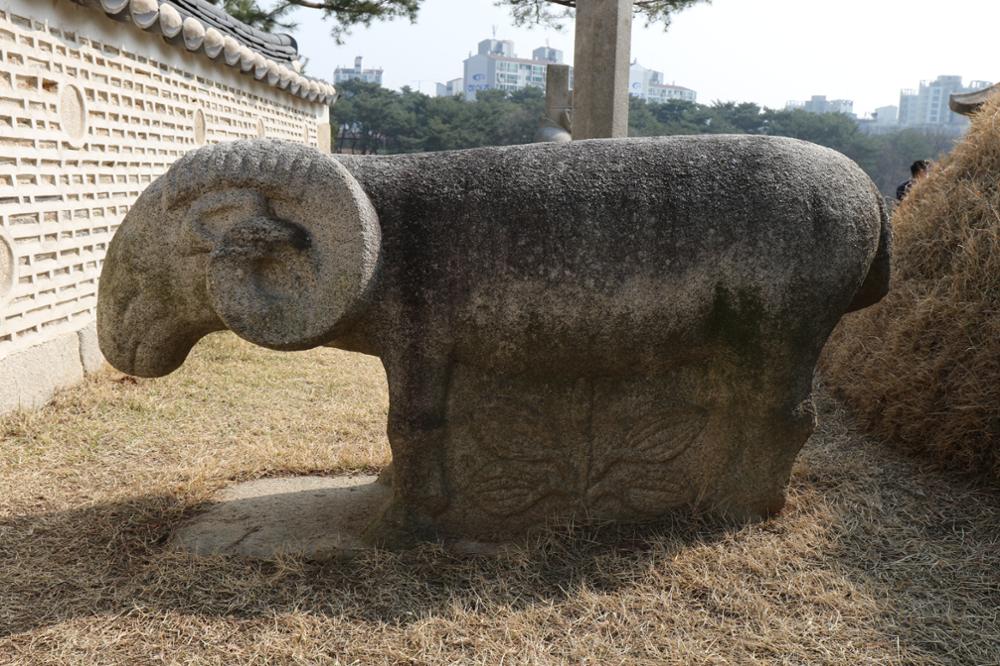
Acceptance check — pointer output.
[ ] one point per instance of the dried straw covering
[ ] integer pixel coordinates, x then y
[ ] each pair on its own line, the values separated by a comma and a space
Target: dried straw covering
922, 367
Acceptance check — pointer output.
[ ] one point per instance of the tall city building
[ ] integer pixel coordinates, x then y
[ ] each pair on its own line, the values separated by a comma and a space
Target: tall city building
908, 114
342, 74
886, 115
547, 54
883, 120
648, 84
928, 105
495, 66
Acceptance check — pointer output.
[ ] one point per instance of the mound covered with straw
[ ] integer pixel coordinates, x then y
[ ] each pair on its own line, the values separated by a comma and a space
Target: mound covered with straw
922, 367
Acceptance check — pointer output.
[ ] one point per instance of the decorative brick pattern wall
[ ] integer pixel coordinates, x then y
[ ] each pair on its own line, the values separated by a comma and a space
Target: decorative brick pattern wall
85, 125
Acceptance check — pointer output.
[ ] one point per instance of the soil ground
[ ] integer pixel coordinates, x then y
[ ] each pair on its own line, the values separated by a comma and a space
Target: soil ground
876, 559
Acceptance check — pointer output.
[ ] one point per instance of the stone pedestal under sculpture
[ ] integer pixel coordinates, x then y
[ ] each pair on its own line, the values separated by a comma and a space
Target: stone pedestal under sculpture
609, 329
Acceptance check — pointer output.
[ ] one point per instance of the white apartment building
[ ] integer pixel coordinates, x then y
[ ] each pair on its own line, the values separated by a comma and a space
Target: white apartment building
451, 88
648, 84
496, 66
358, 72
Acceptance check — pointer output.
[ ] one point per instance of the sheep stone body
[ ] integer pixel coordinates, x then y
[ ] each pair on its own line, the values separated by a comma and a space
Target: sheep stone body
604, 328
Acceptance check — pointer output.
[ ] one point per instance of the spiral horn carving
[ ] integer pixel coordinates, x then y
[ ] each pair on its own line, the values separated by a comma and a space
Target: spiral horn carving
298, 268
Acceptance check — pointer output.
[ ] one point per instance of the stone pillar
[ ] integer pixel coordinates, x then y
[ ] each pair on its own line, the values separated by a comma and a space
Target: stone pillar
556, 125
324, 138
600, 89
558, 97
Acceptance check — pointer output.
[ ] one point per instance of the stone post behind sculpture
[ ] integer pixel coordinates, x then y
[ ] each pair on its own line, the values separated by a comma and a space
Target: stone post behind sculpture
557, 125
601, 68
608, 329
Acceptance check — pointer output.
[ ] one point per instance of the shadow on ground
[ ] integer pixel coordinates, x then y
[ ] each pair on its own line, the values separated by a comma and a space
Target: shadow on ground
138, 567
905, 557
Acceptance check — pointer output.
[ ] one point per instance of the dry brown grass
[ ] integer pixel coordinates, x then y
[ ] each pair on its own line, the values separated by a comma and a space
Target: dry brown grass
874, 561
922, 368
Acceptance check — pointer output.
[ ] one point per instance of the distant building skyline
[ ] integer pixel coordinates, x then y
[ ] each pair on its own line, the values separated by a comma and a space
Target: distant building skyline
823, 62
358, 72
496, 66
928, 105
820, 104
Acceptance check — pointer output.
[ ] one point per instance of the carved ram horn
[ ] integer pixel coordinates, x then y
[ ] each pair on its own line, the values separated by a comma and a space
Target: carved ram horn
294, 260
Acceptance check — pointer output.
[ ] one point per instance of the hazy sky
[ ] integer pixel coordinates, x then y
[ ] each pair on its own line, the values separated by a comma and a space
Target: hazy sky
764, 51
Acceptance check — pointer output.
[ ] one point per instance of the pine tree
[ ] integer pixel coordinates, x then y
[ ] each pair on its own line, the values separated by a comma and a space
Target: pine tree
345, 14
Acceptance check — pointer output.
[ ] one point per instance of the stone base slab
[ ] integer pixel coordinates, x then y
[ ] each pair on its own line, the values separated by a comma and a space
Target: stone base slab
311, 516
31, 376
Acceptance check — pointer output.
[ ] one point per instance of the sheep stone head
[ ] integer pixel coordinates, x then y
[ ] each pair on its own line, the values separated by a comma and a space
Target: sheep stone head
270, 239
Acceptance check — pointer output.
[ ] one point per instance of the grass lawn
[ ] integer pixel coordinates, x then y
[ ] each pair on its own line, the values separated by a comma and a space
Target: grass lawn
875, 560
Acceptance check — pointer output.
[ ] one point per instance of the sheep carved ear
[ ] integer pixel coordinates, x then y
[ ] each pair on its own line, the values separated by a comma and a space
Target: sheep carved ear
297, 270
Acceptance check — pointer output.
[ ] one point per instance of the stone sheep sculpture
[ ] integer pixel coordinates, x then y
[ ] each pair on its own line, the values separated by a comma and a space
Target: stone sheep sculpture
609, 329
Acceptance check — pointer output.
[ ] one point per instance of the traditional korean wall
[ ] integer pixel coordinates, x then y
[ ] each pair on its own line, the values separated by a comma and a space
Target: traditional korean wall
91, 111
